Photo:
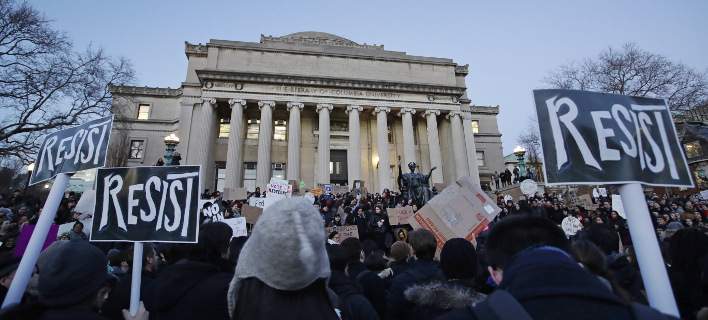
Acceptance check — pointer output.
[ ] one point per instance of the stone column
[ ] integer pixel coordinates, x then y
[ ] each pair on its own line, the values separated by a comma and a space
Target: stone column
382, 147
354, 151
434, 145
293, 165
264, 168
408, 141
470, 146
206, 133
323, 144
458, 144
234, 154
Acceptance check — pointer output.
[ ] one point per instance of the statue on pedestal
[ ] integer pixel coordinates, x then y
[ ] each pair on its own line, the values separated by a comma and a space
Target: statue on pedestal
414, 185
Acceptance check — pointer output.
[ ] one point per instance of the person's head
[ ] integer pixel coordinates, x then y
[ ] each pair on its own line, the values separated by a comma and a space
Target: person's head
213, 243
590, 256
423, 244
458, 259
688, 249
378, 210
515, 234
603, 237
412, 166
400, 251
78, 227
73, 273
353, 250
337, 257
598, 220
375, 261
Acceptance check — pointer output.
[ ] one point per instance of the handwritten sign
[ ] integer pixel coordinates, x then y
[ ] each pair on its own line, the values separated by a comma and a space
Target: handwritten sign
401, 215
238, 225
571, 225
343, 232
251, 213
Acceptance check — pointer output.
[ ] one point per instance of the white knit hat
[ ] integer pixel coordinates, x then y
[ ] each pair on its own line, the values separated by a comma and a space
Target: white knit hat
286, 250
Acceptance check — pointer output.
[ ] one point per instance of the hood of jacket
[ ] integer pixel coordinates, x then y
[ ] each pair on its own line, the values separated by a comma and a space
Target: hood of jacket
442, 295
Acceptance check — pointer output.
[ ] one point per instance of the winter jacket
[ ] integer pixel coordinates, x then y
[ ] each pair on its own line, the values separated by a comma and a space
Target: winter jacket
420, 271
433, 299
550, 285
374, 289
624, 274
189, 290
352, 301
119, 298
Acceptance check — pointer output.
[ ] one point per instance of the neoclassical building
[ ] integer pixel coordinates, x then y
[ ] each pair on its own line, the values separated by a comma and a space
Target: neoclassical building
312, 107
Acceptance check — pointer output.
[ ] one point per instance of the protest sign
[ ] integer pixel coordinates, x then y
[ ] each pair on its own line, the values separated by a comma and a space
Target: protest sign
327, 188
340, 189
251, 213
528, 187
262, 202
617, 206
462, 210
571, 225
157, 204
399, 215
343, 232
316, 191
73, 149
25, 234
212, 210
279, 189
235, 194
86, 202
597, 138
704, 194
238, 225
585, 201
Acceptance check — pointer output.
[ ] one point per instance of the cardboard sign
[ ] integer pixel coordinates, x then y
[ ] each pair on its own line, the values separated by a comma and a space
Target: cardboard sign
585, 201
617, 206
157, 204
279, 189
238, 225
598, 138
462, 210
571, 225
235, 194
343, 232
399, 215
262, 202
316, 191
251, 213
73, 149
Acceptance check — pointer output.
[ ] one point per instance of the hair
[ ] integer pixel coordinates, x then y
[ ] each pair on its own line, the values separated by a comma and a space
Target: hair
352, 249
369, 246
514, 234
423, 243
590, 255
375, 261
458, 259
602, 236
214, 238
400, 251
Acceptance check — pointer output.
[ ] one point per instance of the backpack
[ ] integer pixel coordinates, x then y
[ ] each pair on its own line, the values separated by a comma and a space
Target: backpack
501, 305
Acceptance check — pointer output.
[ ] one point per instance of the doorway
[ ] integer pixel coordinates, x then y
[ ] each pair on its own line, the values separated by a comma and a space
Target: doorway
338, 167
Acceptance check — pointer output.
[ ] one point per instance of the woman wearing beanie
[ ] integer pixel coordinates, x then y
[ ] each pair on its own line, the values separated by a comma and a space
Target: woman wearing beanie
278, 277
458, 261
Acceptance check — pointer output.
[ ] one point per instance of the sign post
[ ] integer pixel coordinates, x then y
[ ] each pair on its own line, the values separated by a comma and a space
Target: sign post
594, 138
137, 278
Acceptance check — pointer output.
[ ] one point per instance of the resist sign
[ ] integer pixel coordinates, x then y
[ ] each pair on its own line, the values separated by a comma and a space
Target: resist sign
598, 138
158, 204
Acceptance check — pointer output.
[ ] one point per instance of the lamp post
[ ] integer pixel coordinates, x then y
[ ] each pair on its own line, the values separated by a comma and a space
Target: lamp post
30, 168
519, 152
171, 141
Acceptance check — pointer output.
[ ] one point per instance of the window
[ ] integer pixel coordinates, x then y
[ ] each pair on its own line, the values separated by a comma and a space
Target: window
278, 171
280, 130
224, 128
335, 168
339, 125
137, 149
253, 128
480, 158
249, 176
143, 111
693, 149
475, 126
220, 178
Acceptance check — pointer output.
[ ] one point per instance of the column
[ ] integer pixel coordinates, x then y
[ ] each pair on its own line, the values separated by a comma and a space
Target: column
458, 144
408, 141
234, 154
470, 146
293, 165
205, 136
264, 168
434, 145
354, 150
382, 147
323, 143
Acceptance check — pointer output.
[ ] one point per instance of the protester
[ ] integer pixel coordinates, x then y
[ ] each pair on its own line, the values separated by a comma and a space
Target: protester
8, 266
352, 301
688, 271
119, 298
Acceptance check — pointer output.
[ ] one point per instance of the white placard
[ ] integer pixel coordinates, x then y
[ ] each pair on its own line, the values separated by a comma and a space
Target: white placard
238, 225
279, 189
617, 206
529, 187
571, 225
262, 202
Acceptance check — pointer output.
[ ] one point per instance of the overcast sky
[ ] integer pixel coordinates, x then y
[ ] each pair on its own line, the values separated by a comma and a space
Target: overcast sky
509, 45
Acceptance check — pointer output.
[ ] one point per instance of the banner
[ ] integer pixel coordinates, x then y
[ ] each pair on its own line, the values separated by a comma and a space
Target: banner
343, 232
157, 204
462, 210
598, 138
73, 149
398, 216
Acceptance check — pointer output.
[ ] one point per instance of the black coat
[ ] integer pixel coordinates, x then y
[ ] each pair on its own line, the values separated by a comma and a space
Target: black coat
420, 271
119, 298
375, 290
352, 301
552, 286
189, 290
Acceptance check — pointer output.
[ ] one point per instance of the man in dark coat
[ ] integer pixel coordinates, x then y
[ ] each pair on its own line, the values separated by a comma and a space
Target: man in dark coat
423, 270
528, 259
119, 297
352, 301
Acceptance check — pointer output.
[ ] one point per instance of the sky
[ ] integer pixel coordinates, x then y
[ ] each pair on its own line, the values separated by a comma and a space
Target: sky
510, 46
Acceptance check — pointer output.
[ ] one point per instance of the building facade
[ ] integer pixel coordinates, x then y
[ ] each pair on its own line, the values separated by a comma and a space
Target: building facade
311, 107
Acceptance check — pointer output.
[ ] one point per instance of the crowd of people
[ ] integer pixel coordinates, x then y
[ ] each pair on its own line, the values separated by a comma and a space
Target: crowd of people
522, 267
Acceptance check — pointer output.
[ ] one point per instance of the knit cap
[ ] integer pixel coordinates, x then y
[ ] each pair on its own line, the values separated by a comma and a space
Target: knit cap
286, 250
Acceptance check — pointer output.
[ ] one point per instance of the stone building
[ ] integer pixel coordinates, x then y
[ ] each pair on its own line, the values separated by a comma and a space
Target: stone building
312, 107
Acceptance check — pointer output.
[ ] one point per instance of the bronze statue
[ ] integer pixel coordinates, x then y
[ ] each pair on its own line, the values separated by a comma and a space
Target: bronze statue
414, 185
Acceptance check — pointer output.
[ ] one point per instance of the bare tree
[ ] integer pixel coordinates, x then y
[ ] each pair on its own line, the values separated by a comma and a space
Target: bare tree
636, 72
44, 84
